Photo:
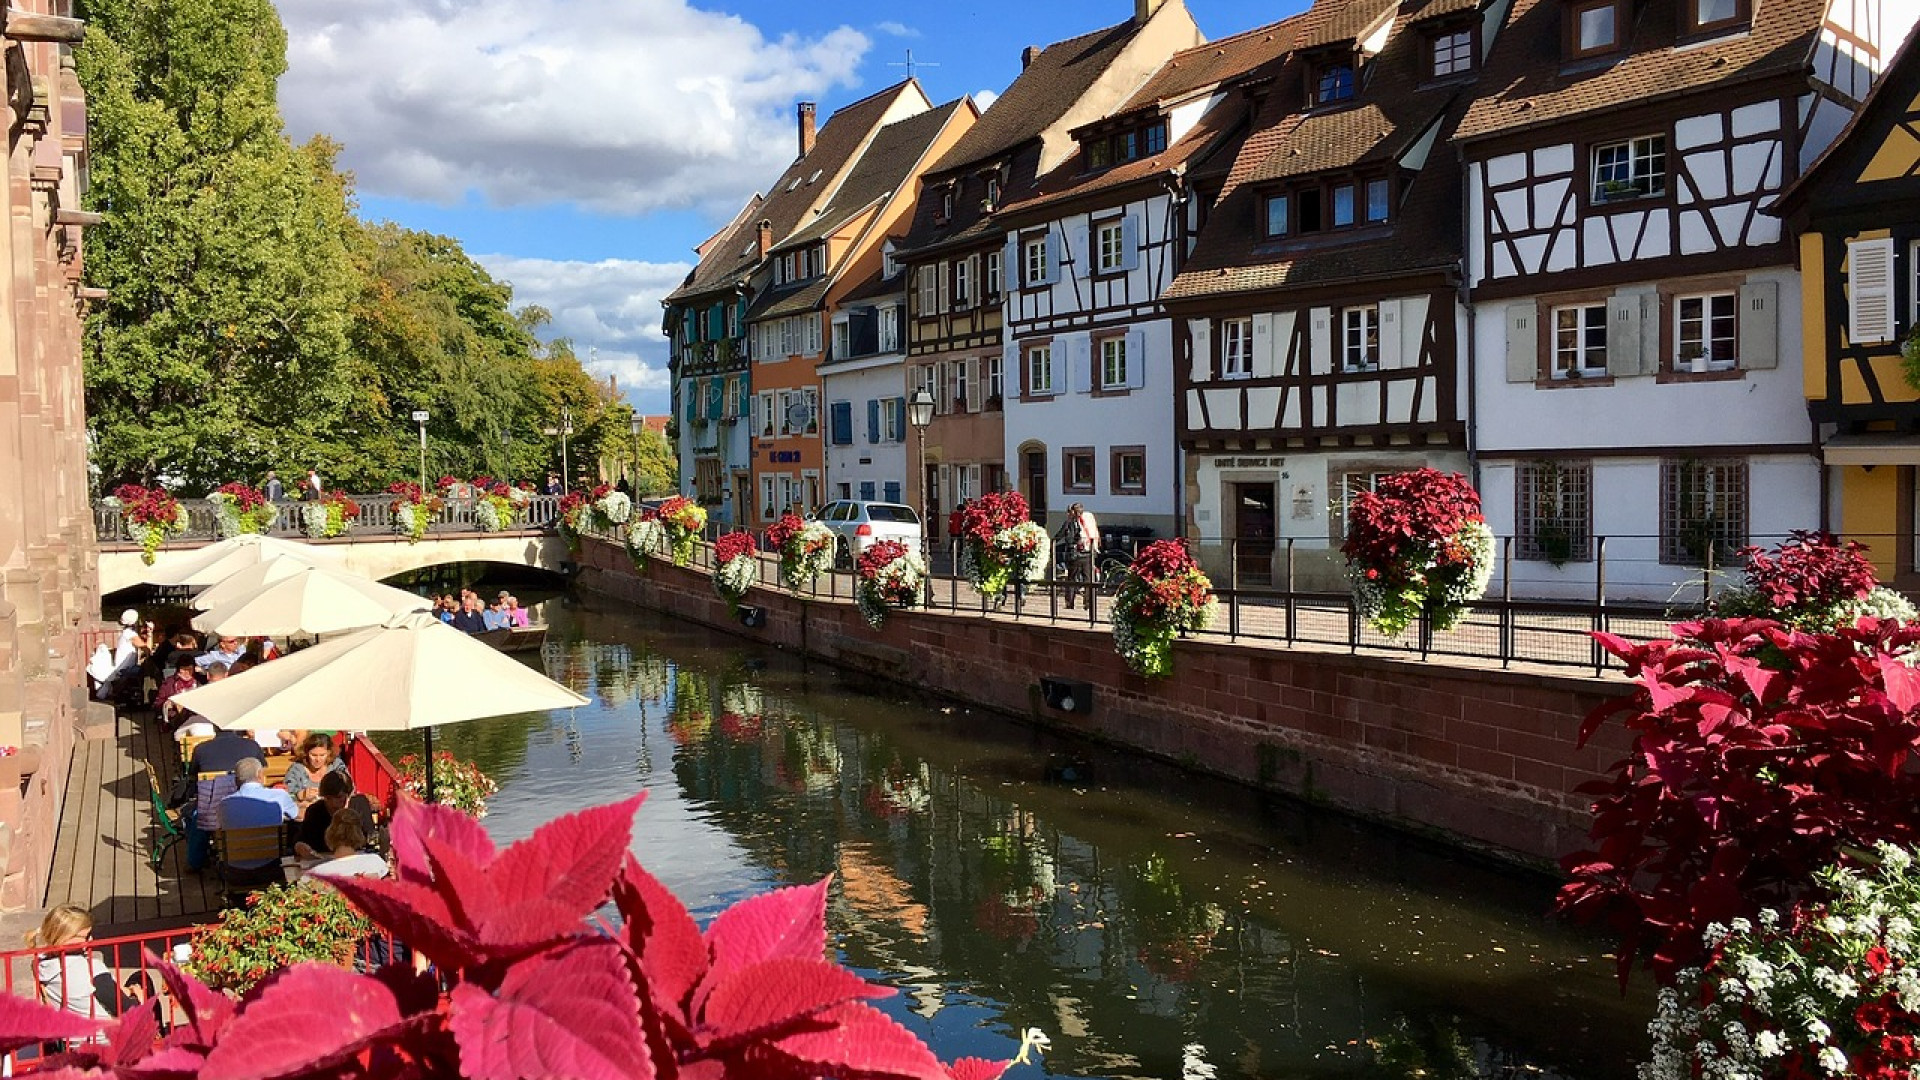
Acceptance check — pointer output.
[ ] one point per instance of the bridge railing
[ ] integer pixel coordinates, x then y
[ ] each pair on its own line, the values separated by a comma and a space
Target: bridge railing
376, 518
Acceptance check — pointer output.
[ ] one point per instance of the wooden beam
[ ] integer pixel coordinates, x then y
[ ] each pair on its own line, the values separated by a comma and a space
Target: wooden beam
24, 26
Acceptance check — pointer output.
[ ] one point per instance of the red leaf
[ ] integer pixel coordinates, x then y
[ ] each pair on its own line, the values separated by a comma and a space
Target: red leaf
760, 1000
174, 1061
414, 914
862, 1044
1903, 683
569, 862
658, 929
570, 1013
275, 1034
207, 1011
135, 1035
413, 822
784, 922
977, 1069
23, 1023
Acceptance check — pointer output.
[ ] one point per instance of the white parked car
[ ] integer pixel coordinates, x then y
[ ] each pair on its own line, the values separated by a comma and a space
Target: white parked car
858, 524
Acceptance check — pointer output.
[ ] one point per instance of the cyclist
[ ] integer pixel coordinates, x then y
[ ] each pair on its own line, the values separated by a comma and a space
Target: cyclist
1078, 541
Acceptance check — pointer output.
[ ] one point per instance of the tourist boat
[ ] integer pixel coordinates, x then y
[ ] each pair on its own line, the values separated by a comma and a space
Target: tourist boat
515, 638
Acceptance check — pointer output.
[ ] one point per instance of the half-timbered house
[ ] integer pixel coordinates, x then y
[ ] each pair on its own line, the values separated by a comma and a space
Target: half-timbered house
1635, 363
957, 276
1320, 313
1088, 347
863, 382
1857, 215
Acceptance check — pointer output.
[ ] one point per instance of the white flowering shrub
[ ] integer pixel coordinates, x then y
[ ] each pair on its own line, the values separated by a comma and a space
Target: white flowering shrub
613, 508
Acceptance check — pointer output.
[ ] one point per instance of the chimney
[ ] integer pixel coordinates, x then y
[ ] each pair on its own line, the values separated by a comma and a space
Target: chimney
766, 238
1028, 55
1144, 9
806, 128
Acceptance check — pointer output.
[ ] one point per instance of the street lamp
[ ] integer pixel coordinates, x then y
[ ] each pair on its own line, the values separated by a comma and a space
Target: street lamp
920, 414
637, 426
565, 430
420, 417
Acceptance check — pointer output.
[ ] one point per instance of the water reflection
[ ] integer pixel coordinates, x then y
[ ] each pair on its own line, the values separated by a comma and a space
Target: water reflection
1156, 925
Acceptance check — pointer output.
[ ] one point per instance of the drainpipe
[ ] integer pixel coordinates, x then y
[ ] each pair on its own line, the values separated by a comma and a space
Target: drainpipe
1464, 286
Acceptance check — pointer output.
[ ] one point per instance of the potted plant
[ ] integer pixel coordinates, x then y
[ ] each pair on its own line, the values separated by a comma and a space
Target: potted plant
1001, 544
646, 535
1694, 358
890, 575
805, 547
1812, 582
151, 515
457, 784
736, 566
274, 930
683, 520
413, 510
1417, 545
241, 508
331, 516
1164, 594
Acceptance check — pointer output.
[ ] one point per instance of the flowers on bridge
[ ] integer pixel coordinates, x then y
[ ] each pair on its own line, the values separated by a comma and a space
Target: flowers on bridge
240, 508
1812, 582
458, 784
736, 566
151, 515
1831, 988
413, 510
889, 577
331, 516
805, 547
611, 507
493, 506
684, 521
1417, 544
646, 535
1164, 594
999, 542
575, 512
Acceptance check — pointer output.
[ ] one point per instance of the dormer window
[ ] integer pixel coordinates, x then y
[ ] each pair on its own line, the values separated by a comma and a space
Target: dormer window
1450, 52
1707, 16
1099, 153
1126, 146
1111, 148
993, 192
945, 213
1154, 138
1333, 81
1594, 27
1337, 204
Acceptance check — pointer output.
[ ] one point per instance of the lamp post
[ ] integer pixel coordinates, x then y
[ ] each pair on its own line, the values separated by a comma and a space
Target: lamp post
420, 418
565, 430
637, 425
920, 414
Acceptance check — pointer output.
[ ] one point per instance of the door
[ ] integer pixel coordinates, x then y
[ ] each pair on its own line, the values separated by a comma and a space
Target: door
1253, 523
1034, 466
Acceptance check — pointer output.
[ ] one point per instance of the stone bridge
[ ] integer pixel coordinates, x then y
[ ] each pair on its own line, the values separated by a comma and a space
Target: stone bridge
374, 555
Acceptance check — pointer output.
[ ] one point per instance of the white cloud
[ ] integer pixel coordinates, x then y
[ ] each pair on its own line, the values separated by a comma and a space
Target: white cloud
896, 29
611, 310
985, 98
623, 106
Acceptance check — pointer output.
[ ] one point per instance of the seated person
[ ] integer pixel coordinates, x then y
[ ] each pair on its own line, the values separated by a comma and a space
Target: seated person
253, 805
469, 620
193, 725
347, 843
495, 616
179, 681
311, 763
79, 980
335, 794
228, 651
217, 756
516, 615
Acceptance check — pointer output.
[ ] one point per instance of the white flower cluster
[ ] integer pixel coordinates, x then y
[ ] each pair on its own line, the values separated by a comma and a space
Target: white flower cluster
732, 578
412, 520
229, 521
1391, 612
1027, 548
487, 516
1881, 603
1778, 989
614, 508
313, 519
902, 575
815, 544
646, 537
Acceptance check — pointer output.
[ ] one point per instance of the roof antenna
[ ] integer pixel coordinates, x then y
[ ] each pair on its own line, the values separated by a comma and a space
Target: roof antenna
911, 63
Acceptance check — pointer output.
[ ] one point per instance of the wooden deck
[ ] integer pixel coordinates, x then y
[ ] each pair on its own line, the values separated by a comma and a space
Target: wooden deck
107, 828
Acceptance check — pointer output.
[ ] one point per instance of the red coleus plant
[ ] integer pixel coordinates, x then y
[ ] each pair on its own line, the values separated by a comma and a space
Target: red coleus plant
1760, 755
732, 546
484, 483
407, 492
986, 516
1810, 569
784, 530
1392, 529
147, 506
522, 986
245, 496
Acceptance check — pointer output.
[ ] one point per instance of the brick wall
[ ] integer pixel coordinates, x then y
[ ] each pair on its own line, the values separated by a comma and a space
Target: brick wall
1478, 756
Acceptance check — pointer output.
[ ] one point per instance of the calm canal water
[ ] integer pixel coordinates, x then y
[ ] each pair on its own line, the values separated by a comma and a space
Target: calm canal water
1155, 924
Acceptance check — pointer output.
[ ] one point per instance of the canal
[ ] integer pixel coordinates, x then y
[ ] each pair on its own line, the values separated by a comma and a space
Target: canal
1154, 923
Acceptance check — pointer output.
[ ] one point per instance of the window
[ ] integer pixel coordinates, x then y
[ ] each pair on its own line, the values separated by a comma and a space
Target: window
1099, 153
733, 320
1592, 27
1703, 510
1579, 341
962, 283
1703, 331
893, 419
889, 330
1113, 362
1631, 169
1129, 474
1333, 81
1277, 215
1707, 15
1126, 145
1154, 138
927, 280
995, 381
1360, 338
993, 192
811, 397
767, 415
1376, 200
1342, 205
1236, 348
993, 275
1033, 254
1553, 511
1351, 484
945, 213
1040, 369
961, 369
1076, 470
842, 340
1109, 241
767, 504
1452, 53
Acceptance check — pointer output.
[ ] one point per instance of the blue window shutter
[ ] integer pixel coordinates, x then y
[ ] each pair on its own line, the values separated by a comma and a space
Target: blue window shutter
873, 420
717, 322
866, 490
1053, 259
900, 410
842, 423
716, 399
1129, 242
893, 491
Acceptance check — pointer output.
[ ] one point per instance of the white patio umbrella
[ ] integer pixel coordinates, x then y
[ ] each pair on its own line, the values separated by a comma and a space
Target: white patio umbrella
309, 600
248, 580
411, 672
211, 564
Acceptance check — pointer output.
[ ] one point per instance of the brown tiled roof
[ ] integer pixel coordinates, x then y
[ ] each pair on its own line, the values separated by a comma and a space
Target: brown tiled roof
796, 192
1420, 10
1215, 62
1330, 24
1528, 86
876, 287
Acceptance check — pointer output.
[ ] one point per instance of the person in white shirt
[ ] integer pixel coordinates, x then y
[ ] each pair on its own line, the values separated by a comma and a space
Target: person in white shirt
347, 842
1079, 542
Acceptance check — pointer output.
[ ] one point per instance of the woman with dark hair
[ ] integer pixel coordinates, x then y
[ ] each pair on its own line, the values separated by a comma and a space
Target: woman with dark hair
311, 762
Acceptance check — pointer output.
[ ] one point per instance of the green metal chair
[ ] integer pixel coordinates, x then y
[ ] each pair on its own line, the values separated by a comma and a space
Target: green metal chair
171, 827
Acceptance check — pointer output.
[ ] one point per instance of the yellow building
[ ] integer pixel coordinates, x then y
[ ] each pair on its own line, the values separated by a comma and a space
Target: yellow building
1857, 212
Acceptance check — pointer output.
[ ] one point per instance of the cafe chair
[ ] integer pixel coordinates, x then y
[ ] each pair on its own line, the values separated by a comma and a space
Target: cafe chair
169, 821
188, 745
249, 859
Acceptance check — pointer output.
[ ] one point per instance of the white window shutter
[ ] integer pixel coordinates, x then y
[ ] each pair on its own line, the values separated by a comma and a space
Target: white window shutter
1053, 258
1080, 250
1200, 363
1324, 355
1869, 291
1079, 364
1760, 325
945, 275
976, 393
1263, 347
1129, 242
943, 386
1389, 334
1136, 359
1523, 341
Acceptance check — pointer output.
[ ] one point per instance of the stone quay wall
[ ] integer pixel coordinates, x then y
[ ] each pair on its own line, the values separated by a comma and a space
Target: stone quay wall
1483, 758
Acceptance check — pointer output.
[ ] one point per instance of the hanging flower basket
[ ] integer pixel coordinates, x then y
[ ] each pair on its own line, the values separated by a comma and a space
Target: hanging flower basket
458, 784
889, 577
806, 550
1000, 544
413, 510
646, 536
1416, 545
1812, 582
736, 566
151, 515
1163, 595
684, 521
494, 509
575, 511
333, 515
239, 508
610, 507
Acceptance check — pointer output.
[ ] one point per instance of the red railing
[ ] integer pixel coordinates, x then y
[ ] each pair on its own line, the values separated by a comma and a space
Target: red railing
100, 978
373, 775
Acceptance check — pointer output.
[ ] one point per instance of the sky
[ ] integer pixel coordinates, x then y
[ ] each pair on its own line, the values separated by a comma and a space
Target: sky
580, 149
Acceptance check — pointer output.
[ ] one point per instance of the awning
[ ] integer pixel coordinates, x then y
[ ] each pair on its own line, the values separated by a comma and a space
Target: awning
1871, 450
